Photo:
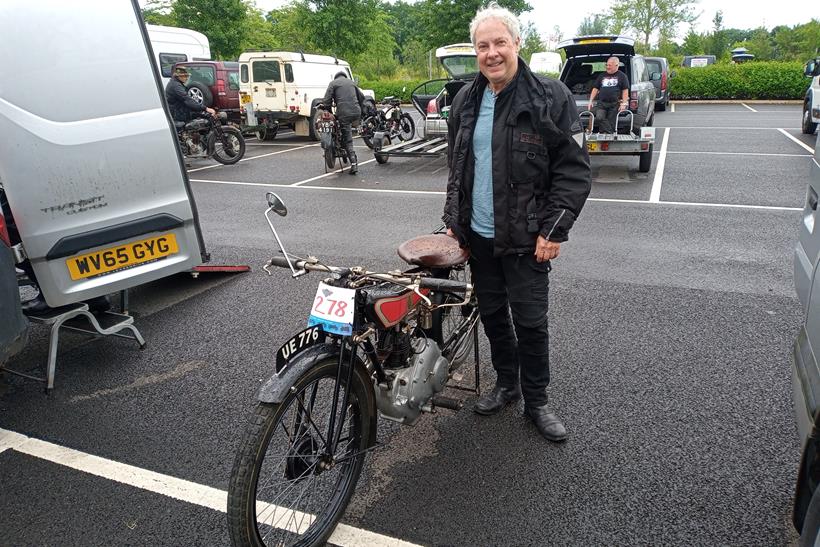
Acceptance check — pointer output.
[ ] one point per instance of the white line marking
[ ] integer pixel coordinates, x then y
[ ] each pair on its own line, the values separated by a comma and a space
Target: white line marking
255, 157
747, 128
804, 145
301, 182
741, 154
172, 487
749, 107
441, 193
655, 195
673, 106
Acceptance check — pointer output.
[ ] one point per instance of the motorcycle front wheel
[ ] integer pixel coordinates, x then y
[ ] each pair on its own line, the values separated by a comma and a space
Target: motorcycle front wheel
229, 149
286, 487
407, 127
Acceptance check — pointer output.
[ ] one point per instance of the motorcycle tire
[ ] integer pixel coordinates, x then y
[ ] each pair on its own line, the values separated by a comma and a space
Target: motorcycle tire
367, 130
236, 142
330, 157
277, 465
407, 127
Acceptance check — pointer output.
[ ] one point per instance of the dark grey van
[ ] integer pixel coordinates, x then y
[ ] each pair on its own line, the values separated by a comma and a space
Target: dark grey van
586, 59
660, 75
805, 365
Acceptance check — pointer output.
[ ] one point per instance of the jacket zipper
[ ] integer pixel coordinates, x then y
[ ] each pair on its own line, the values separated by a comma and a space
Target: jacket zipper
556, 222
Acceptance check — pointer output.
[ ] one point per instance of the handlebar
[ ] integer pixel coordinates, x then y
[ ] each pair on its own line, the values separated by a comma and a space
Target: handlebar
408, 280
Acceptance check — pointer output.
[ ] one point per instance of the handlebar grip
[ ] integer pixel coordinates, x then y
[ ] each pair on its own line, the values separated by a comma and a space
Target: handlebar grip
282, 262
446, 285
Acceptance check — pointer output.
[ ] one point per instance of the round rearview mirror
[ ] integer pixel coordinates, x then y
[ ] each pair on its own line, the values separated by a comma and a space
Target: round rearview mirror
276, 204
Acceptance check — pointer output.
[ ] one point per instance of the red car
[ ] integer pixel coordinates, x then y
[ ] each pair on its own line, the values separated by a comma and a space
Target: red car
215, 84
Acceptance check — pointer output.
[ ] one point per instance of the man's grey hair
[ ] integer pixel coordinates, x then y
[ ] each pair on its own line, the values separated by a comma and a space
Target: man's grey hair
494, 11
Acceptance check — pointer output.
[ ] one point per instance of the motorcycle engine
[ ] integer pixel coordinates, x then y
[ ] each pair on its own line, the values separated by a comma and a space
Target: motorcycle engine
414, 385
193, 144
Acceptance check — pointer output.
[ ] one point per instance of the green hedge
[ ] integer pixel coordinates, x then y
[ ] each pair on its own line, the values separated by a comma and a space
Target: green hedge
752, 80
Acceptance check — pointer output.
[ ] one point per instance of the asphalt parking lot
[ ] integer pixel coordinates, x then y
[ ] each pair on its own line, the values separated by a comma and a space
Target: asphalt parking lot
672, 317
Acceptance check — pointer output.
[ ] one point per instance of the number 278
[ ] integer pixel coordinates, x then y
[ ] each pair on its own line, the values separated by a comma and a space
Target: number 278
328, 306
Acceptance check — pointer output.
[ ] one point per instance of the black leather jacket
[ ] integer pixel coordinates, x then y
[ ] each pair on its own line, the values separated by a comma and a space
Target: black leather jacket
348, 97
541, 175
179, 102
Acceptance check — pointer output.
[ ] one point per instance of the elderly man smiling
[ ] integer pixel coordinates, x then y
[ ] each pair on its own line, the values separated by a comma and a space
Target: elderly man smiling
519, 176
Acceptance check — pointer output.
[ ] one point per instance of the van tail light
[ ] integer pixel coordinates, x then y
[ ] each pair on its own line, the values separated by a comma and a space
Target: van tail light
432, 107
4, 232
633, 100
663, 81
220, 87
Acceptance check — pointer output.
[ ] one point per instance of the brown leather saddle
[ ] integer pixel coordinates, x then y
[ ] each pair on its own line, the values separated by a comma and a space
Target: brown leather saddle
433, 251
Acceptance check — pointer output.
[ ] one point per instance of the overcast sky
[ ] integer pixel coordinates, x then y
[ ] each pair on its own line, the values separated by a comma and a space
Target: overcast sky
736, 14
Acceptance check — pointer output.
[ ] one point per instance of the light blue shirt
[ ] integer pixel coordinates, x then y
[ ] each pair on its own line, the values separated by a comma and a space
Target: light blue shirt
483, 220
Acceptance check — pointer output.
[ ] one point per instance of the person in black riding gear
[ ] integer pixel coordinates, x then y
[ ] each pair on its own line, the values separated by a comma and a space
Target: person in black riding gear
180, 103
350, 104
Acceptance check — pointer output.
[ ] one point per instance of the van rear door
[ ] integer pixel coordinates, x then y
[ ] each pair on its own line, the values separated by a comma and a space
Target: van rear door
267, 85
89, 158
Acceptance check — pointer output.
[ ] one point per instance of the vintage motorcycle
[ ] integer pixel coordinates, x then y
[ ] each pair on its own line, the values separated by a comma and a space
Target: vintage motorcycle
390, 120
377, 343
206, 136
330, 139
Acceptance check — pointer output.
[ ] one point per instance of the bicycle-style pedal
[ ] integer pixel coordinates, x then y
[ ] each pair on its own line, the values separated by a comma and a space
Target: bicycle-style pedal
447, 402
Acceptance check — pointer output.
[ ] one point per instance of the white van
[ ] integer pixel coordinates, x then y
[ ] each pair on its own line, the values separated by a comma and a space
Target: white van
546, 61
285, 87
176, 45
94, 180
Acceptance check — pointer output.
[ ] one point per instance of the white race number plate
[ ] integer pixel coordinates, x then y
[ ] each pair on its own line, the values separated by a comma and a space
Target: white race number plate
333, 309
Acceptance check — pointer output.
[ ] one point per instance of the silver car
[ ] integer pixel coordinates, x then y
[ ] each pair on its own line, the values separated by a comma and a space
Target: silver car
805, 366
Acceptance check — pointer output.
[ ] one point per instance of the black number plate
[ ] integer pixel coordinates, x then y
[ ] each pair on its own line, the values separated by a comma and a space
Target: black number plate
308, 337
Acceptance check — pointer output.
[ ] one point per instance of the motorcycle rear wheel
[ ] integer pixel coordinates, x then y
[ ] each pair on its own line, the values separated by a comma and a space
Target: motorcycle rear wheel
235, 149
330, 158
280, 493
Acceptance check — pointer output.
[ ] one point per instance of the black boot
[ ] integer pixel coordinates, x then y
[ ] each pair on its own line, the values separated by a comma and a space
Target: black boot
35, 306
548, 424
354, 163
492, 402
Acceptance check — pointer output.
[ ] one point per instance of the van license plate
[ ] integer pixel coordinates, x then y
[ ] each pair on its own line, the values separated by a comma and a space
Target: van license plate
246, 98
592, 146
121, 257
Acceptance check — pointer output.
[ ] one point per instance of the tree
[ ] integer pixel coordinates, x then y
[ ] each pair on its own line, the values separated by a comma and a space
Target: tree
158, 12
693, 44
530, 42
448, 21
222, 21
593, 24
649, 16
717, 44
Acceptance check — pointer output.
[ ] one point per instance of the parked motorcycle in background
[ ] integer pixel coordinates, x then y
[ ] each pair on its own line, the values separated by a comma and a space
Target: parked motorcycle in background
389, 119
207, 136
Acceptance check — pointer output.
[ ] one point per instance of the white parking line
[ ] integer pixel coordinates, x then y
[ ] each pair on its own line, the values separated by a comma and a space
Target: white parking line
804, 145
254, 157
749, 107
673, 107
655, 195
166, 485
741, 154
301, 182
441, 193
712, 127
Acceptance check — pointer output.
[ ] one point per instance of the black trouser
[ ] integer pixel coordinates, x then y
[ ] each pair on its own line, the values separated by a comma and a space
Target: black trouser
519, 344
14, 236
347, 140
605, 115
